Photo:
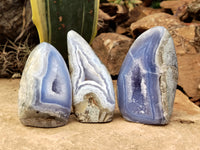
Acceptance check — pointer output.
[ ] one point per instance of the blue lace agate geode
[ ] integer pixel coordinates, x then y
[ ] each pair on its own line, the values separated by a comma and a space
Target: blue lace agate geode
148, 78
45, 89
93, 93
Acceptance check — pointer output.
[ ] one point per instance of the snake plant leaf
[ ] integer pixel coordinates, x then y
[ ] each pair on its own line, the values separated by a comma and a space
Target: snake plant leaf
54, 18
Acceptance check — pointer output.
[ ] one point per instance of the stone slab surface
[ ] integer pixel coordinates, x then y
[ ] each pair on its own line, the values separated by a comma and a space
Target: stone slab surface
182, 133
189, 72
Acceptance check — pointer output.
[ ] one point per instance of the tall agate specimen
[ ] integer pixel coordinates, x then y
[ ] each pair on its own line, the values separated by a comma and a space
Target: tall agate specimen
148, 78
45, 89
93, 93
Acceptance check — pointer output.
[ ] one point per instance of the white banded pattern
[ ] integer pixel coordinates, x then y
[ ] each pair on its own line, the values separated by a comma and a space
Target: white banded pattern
93, 93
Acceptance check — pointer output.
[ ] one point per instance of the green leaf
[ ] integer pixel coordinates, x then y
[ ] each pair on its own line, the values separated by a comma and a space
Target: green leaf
54, 18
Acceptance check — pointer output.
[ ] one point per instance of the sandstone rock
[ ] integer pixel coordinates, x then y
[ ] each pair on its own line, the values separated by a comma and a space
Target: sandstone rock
184, 39
93, 93
14, 23
176, 28
111, 48
184, 109
189, 75
157, 19
194, 9
173, 5
133, 15
197, 39
148, 78
121, 30
110, 15
185, 10
118, 12
103, 21
113, 9
150, 11
178, 8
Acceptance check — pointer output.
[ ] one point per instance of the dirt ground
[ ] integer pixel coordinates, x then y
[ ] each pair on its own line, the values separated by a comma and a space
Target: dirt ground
182, 133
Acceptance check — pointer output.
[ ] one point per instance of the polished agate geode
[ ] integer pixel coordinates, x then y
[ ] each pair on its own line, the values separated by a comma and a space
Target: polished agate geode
148, 78
93, 93
45, 89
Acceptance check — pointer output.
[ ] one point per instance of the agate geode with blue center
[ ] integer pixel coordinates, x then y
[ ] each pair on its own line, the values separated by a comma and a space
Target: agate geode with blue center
93, 93
148, 78
45, 89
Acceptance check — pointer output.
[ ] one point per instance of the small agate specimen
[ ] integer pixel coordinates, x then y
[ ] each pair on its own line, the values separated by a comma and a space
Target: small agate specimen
45, 89
148, 78
93, 93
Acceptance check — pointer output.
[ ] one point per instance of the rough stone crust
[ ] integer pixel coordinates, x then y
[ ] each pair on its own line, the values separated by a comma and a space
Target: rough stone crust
90, 110
44, 122
42, 118
167, 63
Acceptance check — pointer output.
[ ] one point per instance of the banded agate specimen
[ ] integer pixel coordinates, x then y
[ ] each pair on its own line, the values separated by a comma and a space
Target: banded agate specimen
45, 89
148, 78
93, 93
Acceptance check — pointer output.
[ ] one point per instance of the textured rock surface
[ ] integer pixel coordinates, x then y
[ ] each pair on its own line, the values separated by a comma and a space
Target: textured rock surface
45, 89
156, 19
12, 18
119, 13
194, 9
150, 10
111, 48
174, 5
182, 133
189, 75
93, 94
186, 10
176, 28
148, 78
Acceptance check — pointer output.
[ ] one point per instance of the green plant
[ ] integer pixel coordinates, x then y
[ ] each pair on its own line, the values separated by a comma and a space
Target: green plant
54, 18
103, 1
156, 4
